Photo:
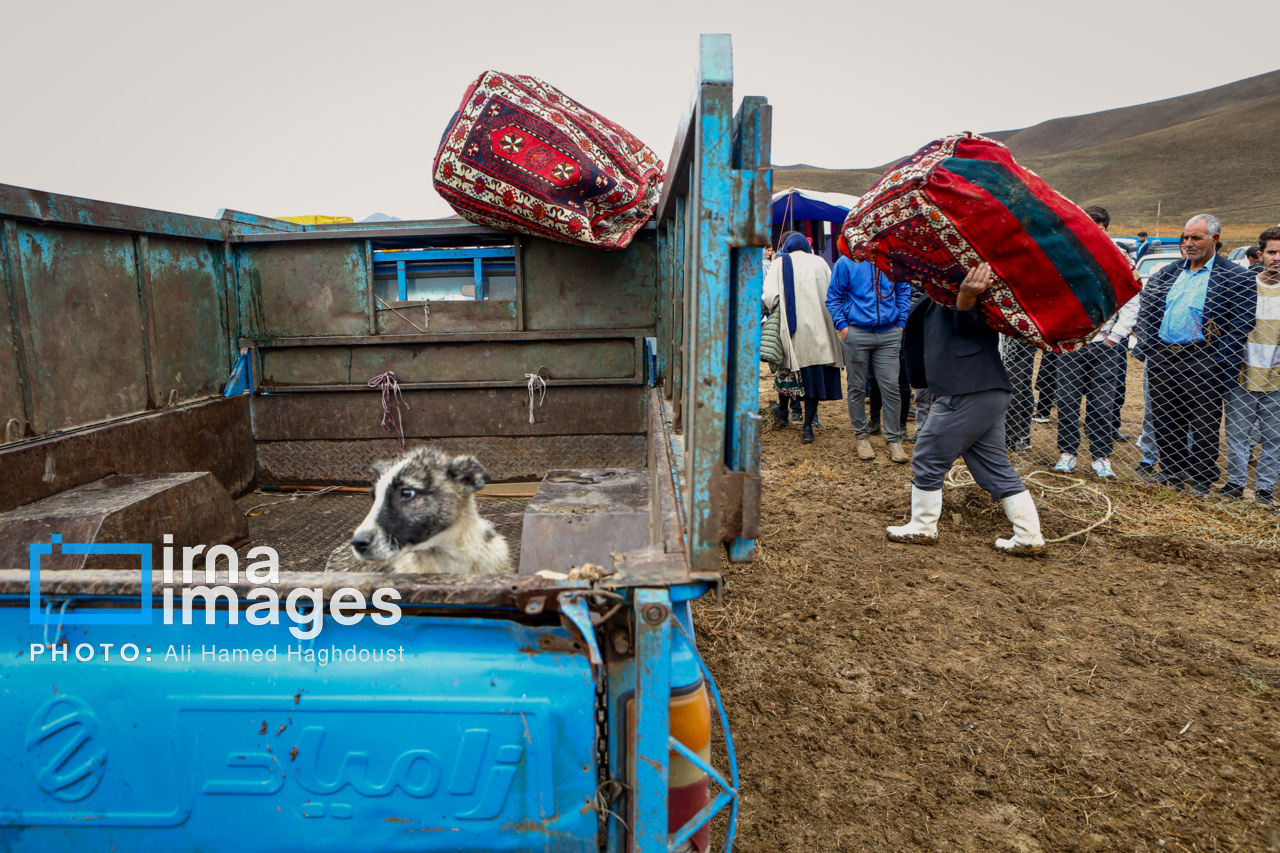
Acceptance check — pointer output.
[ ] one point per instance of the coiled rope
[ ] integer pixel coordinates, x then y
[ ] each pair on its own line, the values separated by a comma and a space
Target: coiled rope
959, 477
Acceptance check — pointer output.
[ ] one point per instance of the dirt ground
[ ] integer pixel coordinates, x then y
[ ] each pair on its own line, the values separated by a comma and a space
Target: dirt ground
1120, 693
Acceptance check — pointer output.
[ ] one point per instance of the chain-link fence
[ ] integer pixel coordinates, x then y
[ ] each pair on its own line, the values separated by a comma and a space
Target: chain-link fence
1101, 412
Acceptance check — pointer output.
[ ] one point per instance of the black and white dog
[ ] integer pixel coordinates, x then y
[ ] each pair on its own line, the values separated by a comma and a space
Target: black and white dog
424, 518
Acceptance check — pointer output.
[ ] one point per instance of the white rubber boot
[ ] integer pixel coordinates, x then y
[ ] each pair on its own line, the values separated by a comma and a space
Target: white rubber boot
1021, 510
922, 529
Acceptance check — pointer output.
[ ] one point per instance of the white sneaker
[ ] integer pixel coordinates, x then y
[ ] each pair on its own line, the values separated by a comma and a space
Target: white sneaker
1066, 464
1102, 467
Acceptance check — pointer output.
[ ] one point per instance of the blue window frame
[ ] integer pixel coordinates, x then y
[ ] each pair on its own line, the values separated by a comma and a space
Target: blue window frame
426, 275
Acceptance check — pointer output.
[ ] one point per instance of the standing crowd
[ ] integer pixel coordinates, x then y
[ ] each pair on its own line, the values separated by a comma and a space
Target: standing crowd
1206, 329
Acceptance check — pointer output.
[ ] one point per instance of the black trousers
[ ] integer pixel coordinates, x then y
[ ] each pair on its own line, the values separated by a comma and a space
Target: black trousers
1047, 383
1186, 398
1096, 372
1019, 363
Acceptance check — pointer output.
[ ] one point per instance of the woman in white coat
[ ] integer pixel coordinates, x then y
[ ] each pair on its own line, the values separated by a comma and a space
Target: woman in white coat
797, 286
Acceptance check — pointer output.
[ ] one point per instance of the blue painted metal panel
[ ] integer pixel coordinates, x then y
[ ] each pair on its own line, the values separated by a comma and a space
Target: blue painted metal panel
711, 202
752, 150
23, 203
649, 769
718, 187
462, 736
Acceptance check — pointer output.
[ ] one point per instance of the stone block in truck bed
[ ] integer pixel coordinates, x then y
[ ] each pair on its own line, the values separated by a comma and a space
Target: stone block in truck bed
122, 508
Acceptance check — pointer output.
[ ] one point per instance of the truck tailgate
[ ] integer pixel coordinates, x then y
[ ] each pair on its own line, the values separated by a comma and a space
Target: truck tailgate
468, 733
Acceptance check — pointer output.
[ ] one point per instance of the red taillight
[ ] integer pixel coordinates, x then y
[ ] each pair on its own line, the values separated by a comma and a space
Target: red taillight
687, 784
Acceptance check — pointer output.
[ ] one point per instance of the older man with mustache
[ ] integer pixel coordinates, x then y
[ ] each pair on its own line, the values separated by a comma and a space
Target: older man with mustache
1191, 331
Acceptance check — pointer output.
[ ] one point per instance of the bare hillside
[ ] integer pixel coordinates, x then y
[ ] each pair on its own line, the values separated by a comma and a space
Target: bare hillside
1223, 164
1061, 135
1211, 151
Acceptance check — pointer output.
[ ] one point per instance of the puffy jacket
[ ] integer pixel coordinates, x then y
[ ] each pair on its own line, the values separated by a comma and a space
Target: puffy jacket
863, 297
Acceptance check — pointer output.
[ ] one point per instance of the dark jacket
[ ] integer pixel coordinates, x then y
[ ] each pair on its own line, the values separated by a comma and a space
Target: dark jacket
952, 352
1230, 306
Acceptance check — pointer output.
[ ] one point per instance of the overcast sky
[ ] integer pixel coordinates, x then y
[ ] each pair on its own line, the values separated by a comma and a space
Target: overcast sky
284, 108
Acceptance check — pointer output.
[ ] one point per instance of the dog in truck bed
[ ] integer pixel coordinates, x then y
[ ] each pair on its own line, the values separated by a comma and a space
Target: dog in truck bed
424, 520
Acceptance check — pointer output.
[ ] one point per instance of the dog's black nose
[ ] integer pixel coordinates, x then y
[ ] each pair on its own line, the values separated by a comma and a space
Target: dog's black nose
361, 542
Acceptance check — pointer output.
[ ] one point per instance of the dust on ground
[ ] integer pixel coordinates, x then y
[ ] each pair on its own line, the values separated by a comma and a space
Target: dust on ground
1120, 693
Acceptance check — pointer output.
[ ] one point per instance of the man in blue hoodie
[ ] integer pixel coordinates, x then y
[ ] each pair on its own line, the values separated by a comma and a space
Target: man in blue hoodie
869, 312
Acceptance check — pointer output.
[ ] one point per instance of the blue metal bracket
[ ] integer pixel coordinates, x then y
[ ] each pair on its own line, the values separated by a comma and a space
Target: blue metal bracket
649, 772
651, 361
573, 609
241, 379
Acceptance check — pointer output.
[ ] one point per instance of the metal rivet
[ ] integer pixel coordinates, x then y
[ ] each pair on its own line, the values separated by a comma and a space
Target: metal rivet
620, 641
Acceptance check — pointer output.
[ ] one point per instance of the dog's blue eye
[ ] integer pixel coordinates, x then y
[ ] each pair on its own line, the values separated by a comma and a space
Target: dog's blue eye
407, 494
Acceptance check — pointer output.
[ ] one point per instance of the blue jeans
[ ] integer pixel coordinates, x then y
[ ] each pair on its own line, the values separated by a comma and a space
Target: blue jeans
1096, 372
1245, 409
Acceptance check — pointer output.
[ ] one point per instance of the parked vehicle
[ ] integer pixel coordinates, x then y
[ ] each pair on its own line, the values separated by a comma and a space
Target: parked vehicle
1153, 261
1239, 255
553, 711
1128, 245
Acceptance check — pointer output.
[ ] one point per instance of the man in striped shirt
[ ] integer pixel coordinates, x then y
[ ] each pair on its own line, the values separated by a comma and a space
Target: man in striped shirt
1255, 398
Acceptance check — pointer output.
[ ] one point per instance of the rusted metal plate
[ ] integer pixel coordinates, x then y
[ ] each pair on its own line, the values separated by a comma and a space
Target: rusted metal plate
453, 337
186, 279
574, 287
87, 359
325, 463
192, 507
318, 288
566, 410
452, 316
666, 517
507, 591
24, 203
215, 436
466, 362
585, 515
424, 232
12, 406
